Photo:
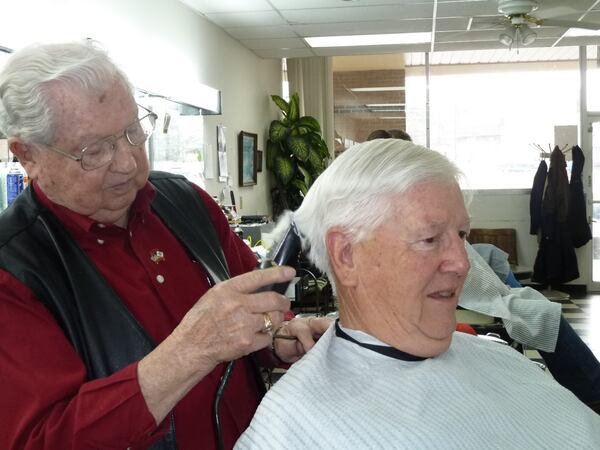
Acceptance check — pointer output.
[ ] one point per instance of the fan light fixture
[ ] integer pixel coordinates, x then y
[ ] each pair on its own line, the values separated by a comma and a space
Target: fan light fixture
526, 35
521, 35
507, 36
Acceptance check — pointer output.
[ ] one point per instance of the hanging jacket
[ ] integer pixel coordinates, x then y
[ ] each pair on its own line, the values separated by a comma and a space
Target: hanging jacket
578, 221
537, 194
556, 262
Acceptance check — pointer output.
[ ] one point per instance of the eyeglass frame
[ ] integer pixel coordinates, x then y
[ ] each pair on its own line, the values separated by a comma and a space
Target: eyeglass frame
115, 137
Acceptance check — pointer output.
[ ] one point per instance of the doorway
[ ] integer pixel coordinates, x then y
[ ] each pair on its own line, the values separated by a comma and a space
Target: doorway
594, 130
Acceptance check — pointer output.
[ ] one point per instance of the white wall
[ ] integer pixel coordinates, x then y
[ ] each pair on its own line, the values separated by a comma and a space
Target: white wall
163, 45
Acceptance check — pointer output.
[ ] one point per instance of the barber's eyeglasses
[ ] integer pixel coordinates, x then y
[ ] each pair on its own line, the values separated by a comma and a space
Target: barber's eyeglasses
101, 153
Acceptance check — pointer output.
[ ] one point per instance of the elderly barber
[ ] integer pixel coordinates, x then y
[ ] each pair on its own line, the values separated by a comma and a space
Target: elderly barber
387, 222
112, 336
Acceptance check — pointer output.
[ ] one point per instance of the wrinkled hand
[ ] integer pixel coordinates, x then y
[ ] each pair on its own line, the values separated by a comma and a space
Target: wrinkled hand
307, 331
227, 322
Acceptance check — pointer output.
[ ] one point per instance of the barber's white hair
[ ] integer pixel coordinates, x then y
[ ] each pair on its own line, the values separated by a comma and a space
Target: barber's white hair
355, 191
25, 81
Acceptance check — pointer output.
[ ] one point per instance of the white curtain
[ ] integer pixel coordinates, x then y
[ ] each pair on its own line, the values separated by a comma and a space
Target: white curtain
312, 78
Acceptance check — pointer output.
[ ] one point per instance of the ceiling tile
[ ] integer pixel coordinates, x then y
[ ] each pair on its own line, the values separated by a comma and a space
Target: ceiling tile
247, 19
213, 6
292, 53
467, 9
264, 44
354, 28
357, 14
452, 24
308, 4
280, 31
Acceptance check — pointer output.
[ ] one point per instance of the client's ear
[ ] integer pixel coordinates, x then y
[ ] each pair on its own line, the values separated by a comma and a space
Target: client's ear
340, 249
26, 155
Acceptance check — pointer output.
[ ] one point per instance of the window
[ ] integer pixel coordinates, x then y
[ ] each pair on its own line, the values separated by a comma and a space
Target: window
486, 116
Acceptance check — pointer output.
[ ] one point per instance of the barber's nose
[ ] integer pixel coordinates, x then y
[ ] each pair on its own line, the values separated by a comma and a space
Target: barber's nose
457, 260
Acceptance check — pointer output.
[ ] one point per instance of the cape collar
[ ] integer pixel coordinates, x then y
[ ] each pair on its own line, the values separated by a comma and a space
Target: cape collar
382, 349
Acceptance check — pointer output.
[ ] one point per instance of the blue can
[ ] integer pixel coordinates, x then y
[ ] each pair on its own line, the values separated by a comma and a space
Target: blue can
14, 185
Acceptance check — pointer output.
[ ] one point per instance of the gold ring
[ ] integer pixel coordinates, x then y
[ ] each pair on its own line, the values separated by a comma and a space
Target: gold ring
268, 327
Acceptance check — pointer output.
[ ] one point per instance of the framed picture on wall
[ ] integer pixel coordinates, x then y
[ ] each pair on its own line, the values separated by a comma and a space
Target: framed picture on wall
247, 147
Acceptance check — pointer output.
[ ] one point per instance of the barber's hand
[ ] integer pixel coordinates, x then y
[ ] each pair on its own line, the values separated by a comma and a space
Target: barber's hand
228, 321
307, 331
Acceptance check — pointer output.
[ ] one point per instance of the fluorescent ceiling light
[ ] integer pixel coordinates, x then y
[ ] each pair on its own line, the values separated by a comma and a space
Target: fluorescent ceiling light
369, 39
377, 89
576, 32
381, 105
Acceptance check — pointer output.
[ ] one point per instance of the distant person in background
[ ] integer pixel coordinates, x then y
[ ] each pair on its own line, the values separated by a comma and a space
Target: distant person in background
378, 134
399, 134
387, 134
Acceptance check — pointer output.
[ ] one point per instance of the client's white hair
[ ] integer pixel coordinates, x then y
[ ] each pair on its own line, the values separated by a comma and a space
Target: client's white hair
355, 191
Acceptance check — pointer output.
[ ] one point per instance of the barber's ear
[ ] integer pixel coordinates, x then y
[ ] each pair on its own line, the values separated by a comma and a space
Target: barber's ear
341, 256
27, 155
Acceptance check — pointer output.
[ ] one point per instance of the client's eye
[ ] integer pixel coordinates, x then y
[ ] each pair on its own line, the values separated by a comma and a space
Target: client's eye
463, 234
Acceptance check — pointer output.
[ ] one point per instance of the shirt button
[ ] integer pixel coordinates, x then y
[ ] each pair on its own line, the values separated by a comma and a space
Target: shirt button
160, 279
101, 225
130, 234
100, 241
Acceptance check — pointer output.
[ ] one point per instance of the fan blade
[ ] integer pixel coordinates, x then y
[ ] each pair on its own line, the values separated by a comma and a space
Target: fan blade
486, 22
568, 24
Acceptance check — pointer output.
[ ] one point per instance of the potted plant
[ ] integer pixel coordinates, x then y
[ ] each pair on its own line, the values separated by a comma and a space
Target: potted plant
296, 154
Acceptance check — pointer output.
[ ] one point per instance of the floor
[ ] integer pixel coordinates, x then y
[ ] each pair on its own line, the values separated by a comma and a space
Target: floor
584, 316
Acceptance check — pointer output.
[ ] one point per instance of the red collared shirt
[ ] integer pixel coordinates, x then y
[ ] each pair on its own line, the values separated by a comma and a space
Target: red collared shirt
45, 399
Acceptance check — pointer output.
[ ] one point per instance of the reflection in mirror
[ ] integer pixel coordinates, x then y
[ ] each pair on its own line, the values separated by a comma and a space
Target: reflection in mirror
177, 144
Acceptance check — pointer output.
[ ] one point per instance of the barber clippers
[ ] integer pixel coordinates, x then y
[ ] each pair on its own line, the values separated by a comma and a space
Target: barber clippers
286, 254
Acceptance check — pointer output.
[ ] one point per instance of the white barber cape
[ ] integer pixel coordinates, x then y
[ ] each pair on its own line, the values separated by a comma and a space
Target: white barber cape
478, 394
528, 316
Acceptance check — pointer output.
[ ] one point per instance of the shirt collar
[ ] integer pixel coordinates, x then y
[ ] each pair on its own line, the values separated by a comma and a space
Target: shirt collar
79, 222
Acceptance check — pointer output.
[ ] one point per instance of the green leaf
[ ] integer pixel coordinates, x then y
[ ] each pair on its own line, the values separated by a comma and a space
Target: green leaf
278, 131
316, 162
273, 151
310, 123
299, 147
284, 169
307, 177
281, 104
300, 185
323, 150
294, 111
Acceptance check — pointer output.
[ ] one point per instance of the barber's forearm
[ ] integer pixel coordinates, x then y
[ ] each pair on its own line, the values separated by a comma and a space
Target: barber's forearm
168, 373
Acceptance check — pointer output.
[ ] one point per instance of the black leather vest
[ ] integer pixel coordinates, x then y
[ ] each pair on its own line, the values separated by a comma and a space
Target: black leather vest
38, 251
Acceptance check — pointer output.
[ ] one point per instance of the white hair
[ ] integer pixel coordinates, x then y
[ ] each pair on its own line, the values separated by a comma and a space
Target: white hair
26, 105
354, 191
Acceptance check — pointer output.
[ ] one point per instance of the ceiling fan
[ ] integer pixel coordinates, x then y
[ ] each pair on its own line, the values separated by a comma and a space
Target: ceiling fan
517, 17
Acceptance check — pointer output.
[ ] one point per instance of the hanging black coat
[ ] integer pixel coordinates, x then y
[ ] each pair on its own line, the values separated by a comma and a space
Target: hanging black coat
537, 194
556, 262
578, 223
